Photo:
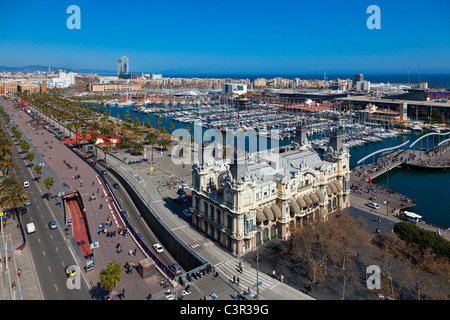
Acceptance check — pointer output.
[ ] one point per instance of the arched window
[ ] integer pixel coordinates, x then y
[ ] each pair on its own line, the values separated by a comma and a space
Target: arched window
273, 231
266, 234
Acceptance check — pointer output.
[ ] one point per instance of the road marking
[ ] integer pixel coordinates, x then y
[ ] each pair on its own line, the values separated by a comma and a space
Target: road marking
49, 269
179, 227
43, 252
56, 287
51, 237
57, 249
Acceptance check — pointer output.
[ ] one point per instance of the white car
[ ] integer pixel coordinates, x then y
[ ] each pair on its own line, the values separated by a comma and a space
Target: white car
26, 184
158, 248
372, 205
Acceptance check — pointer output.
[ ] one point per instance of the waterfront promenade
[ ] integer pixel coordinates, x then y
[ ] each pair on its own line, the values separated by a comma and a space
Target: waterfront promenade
364, 190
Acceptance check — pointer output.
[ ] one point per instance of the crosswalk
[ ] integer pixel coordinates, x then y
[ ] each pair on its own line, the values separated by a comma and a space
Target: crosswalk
248, 278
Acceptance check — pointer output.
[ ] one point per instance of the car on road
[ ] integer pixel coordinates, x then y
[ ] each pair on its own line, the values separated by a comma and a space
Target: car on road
28, 202
71, 271
175, 268
104, 172
158, 248
181, 192
26, 184
373, 205
187, 212
116, 185
30, 227
52, 225
188, 196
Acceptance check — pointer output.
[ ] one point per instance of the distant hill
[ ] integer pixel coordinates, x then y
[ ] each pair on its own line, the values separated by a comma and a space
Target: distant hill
36, 68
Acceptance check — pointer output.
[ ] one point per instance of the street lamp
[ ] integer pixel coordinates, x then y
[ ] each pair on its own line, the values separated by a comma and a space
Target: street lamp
256, 228
93, 214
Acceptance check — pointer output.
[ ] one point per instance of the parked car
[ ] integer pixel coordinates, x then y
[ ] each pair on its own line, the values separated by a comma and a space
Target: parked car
181, 192
372, 205
158, 248
28, 202
188, 196
175, 268
180, 200
116, 185
187, 212
26, 184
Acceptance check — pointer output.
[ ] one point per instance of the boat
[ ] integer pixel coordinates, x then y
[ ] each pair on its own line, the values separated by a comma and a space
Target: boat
416, 127
434, 128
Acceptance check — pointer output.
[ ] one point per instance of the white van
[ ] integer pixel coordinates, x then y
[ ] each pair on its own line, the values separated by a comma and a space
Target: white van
30, 227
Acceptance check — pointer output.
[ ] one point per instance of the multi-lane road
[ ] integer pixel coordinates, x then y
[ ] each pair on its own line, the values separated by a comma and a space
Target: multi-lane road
50, 249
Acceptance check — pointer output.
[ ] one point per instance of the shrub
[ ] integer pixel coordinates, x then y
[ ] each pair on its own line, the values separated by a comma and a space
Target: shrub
425, 239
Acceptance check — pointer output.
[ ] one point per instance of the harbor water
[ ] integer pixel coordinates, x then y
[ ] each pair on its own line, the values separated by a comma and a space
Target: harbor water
428, 188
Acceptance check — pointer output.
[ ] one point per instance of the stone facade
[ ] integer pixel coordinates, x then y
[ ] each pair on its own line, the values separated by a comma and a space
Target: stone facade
251, 199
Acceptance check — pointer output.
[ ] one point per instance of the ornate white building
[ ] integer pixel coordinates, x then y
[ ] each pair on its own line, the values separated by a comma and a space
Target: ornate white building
265, 195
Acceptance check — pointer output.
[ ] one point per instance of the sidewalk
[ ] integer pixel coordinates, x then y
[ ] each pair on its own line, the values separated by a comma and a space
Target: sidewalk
27, 285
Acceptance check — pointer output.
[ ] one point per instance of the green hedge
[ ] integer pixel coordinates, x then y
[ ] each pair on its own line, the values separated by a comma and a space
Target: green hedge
425, 239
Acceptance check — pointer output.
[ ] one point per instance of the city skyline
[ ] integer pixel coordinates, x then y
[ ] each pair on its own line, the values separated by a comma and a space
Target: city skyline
241, 38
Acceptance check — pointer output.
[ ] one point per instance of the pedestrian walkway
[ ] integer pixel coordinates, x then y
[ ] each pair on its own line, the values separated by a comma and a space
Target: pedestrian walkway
270, 287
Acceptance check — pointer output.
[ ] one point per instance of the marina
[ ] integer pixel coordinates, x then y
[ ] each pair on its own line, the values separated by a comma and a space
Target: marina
360, 135
263, 118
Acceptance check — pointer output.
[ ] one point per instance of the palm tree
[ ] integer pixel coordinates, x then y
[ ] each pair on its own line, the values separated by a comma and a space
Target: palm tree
165, 143
105, 150
38, 169
30, 157
159, 121
6, 145
84, 134
7, 164
13, 197
151, 138
111, 276
7, 181
94, 137
138, 148
171, 126
70, 127
48, 183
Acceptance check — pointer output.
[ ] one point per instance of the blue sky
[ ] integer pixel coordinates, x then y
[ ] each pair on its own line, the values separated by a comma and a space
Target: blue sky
220, 37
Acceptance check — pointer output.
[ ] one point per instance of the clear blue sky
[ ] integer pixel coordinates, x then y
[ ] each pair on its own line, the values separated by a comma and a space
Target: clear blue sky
243, 36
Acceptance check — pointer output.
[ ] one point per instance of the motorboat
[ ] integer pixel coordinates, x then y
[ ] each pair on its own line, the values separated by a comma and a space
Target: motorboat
416, 127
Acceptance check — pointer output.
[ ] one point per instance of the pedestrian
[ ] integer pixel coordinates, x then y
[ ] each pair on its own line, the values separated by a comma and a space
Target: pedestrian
130, 253
237, 281
123, 292
18, 273
134, 252
234, 279
76, 168
281, 278
273, 273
